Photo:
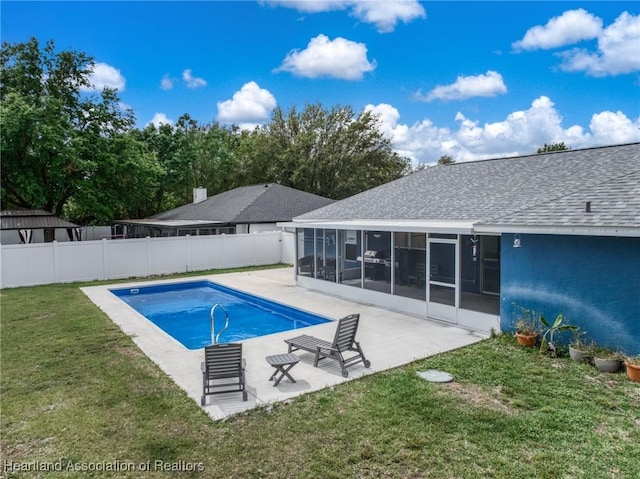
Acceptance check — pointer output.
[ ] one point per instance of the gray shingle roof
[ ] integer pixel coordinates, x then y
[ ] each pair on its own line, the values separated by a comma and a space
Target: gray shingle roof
548, 189
613, 203
264, 203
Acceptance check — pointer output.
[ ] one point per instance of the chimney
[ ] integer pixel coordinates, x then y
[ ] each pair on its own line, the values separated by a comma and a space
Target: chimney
199, 194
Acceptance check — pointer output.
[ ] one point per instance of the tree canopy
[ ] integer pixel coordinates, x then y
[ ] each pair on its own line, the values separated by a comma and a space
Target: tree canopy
333, 153
446, 160
553, 147
55, 137
74, 151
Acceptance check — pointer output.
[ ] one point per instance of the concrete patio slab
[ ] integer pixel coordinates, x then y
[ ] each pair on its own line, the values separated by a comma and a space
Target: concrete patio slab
389, 339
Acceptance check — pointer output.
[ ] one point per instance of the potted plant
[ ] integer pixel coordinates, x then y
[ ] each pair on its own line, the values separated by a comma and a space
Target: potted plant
581, 349
547, 344
633, 368
526, 329
607, 360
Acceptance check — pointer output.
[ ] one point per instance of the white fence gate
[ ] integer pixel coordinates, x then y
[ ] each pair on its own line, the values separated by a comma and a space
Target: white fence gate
64, 262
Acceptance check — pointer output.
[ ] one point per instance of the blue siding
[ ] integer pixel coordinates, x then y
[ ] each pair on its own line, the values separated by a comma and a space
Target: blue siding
593, 281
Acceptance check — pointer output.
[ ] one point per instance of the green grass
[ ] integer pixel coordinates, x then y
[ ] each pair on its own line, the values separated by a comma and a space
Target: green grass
75, 388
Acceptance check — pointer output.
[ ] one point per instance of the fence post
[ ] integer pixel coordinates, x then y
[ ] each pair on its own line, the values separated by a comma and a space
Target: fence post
104, 258
188, 252
255, 249
148, 243
223, 256
54, 250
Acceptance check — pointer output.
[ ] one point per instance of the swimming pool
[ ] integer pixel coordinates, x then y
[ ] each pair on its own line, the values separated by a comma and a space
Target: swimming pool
182, 310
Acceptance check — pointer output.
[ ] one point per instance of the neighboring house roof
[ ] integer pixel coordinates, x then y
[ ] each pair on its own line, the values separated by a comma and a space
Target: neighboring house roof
264, 203
549, 190
31, 219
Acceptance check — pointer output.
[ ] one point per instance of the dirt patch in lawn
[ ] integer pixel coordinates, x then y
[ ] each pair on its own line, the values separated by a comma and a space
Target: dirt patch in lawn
479, 396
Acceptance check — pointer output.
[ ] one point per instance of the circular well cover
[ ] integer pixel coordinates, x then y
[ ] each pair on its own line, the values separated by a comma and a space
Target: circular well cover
436, 376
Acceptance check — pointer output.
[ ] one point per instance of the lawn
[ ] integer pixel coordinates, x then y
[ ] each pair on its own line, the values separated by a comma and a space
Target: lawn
76, 393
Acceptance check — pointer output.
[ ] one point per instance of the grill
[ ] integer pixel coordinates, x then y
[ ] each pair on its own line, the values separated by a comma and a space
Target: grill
371, 256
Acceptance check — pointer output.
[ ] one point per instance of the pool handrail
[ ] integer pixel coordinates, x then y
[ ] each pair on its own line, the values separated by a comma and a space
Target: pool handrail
215, 337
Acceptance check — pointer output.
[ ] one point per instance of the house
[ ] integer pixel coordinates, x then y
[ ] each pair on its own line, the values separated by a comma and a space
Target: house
472, 243
28, 226
247, 209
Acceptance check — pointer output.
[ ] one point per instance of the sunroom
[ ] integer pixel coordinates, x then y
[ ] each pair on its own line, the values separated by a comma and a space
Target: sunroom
440, 270
466, 243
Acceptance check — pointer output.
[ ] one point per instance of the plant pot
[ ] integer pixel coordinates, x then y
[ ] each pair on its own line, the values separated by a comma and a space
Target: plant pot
527, 339
607, 365
578, 355
633, 371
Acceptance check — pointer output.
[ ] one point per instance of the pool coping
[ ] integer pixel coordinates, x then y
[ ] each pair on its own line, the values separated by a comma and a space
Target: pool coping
389, 339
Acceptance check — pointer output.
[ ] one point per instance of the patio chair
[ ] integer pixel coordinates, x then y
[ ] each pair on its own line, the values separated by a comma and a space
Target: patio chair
221, 363
344, 341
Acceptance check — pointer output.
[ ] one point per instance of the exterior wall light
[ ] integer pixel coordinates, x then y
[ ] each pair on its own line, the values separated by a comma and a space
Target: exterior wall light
516, 241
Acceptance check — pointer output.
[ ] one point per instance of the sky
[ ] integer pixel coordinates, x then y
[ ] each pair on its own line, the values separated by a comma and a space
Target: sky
471, 80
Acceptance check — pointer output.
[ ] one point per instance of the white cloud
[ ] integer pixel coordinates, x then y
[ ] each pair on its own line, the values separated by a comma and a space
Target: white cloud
521, 132
250, 106
160, 119
166, 83
388, 116
191, 81
339, 58
571, 27
104, 75
618, 50
487, 85
310, 6
614, 128
383, 14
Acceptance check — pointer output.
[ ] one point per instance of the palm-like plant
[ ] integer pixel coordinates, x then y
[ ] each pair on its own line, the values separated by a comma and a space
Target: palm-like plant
550, 330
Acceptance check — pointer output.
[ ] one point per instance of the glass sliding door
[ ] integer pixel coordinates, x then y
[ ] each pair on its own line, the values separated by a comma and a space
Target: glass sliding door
491, 265
480, 274
443, 282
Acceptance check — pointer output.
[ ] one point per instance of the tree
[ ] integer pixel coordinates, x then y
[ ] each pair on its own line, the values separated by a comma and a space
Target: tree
191, 155
553, 147
161, 143
446, 160
332, 153
54, 132
101, 199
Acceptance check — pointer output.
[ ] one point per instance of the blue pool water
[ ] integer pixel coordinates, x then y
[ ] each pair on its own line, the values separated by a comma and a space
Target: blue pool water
182, 310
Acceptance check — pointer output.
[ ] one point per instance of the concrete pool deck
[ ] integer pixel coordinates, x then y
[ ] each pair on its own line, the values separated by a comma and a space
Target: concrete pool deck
389, 339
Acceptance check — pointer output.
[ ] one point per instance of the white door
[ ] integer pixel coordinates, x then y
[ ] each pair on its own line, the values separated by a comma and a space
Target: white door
442, 294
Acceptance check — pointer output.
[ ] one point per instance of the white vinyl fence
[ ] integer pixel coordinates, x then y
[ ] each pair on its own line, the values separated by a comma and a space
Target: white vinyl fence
64, 262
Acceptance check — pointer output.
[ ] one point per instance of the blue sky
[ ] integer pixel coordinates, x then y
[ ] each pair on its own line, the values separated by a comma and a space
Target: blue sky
467, 79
